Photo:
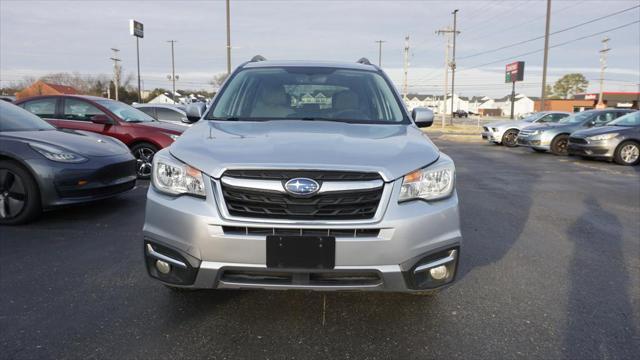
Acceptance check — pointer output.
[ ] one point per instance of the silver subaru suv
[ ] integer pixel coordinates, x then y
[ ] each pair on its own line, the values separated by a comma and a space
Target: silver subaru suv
304, 175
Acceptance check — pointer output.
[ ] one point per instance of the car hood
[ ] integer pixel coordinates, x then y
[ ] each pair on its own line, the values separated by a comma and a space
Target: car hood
599, 130
392, 150
77, 142
172, 128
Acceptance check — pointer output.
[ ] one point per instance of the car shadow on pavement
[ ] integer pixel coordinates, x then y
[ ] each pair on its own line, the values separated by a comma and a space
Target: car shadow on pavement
105, 210
602, 326
494, 208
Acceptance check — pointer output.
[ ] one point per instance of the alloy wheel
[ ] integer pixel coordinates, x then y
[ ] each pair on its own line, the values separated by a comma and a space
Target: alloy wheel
562, 146
13, 195
630, 153
144, 161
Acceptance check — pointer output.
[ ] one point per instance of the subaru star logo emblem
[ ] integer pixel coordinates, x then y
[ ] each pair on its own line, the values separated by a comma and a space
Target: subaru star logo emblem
302, 187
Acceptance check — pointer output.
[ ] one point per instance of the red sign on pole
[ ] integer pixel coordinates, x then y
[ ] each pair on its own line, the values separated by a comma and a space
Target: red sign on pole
514, 72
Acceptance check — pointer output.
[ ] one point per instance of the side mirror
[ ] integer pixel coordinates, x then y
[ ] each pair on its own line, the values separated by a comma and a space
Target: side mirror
194, 112
423, 117
101, 119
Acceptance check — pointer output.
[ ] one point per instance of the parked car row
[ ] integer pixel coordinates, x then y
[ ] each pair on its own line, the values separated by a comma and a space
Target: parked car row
143, 134
42, 167
610, 134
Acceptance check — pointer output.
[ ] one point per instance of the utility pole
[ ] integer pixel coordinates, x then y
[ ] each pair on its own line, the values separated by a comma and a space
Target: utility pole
116, 70
546, 55
228, 39
173, 71
446, 32
380, 52
603, 65
453, 62
405, 85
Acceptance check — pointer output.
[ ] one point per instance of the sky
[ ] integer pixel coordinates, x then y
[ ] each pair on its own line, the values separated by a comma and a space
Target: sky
40, 37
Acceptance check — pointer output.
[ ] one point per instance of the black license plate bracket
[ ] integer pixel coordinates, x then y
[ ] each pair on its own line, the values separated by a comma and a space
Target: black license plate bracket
301, 252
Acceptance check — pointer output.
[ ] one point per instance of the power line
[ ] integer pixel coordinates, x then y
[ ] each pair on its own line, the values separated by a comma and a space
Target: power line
553, 33
519, 24
551, 47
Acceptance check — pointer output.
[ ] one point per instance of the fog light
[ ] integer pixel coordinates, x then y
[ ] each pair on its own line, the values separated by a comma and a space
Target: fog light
439, 272
163, 267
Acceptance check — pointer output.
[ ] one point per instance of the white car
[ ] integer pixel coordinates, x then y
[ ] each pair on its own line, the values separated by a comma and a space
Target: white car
506, 132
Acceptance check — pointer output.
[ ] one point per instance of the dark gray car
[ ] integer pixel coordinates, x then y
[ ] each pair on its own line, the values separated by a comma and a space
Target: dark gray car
618, 140
42, 167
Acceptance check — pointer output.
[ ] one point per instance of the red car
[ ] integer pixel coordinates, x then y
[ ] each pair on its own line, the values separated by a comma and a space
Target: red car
140, 132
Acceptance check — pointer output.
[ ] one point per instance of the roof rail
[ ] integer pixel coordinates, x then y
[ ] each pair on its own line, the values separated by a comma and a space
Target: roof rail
258, 58
364, 61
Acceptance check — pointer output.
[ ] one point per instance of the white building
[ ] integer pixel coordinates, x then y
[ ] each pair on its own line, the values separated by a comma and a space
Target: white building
162, 99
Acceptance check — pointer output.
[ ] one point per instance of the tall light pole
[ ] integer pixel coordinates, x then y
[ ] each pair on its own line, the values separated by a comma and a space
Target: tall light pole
173, 71
116, 70
546, 55
136, 29
603, 66
453, 61
228, 39
380, 52
405, 79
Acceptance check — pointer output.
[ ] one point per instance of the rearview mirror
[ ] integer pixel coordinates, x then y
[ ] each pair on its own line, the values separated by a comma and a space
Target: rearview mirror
194, 112
423, 117
101, 119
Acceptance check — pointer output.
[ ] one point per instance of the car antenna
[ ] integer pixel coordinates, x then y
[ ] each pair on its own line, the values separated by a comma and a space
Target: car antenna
258, 58
363, 60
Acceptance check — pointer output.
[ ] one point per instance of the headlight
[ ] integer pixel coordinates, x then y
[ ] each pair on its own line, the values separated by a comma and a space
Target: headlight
603, 137
57, 154
430, 183
176, 178
173, 137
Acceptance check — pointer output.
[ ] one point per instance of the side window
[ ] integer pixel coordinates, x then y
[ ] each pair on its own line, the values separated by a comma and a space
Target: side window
168, 114
45, 108
558, 117
79, 110
151, 111
547, 118
604, 118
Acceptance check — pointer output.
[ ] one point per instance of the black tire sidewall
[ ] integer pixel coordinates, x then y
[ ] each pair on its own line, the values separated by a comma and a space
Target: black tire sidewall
554, 144
33, 206
138, 146
618, 159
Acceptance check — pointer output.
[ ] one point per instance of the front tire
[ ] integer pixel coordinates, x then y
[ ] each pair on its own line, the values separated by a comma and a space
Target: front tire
510, 138
19, 195
144, 153
560, 144
627, 153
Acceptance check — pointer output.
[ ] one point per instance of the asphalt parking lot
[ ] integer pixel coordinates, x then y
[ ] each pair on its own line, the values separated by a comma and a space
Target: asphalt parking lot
550, 269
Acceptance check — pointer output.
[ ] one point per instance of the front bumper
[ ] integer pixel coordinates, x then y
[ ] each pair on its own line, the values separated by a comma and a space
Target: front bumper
599, 149
535, 142
98, 178
406, 237
489, 135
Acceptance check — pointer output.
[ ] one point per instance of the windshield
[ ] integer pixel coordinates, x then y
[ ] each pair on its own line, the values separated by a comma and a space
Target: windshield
125, 112
14, 118
632, 119
533, 117
308, 93
576, 118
